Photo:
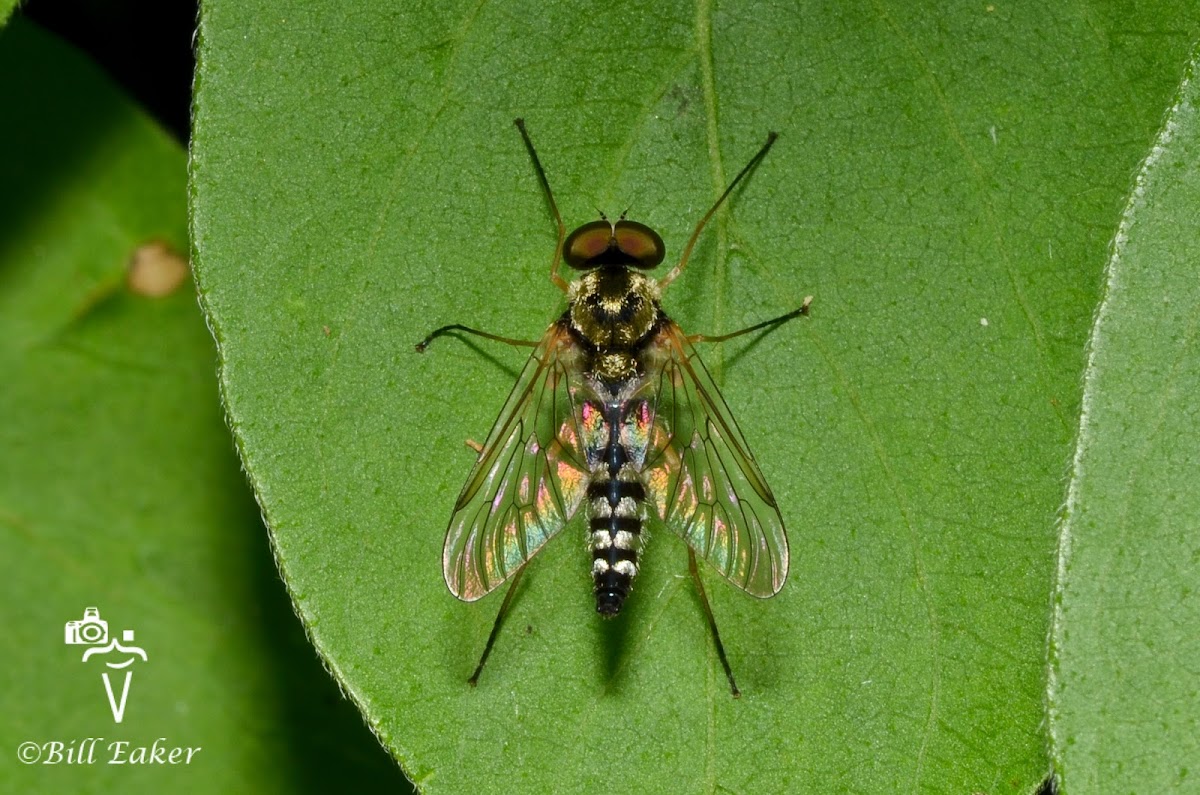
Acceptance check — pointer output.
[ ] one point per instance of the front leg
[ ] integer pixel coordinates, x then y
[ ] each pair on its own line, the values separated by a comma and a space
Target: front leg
775, 321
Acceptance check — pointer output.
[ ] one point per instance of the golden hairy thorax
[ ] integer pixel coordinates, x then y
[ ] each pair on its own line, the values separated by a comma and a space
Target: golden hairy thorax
613, 309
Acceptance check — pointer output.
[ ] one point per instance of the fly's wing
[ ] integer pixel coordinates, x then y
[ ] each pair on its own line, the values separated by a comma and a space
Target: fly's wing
528, 481
702, 480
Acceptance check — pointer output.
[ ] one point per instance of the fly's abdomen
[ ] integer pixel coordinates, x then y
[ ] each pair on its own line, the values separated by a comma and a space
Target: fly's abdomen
615, 498
616, 522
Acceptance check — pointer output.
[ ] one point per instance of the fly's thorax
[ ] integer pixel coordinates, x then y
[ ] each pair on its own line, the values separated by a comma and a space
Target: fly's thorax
613, 307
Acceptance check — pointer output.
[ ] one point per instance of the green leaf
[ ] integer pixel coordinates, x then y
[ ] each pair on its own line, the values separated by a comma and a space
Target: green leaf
945, 185
1123, 696
119, 487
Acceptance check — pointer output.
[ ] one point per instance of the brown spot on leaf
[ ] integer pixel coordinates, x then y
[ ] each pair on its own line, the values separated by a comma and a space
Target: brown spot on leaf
156, 270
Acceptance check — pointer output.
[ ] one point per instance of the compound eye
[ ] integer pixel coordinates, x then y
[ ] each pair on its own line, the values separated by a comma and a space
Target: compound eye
639, 242
586, 243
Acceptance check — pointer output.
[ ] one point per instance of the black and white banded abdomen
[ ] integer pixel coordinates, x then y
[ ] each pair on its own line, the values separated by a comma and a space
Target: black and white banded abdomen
615, 507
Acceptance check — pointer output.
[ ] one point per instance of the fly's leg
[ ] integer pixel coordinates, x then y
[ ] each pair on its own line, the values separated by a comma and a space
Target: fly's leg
423, 344
559, 281
487, 649
775, 321
687, 250
712, 623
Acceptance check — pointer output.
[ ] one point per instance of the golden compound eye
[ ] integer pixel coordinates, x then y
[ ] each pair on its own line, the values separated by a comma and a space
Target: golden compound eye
623, 243
640, 242
587, 243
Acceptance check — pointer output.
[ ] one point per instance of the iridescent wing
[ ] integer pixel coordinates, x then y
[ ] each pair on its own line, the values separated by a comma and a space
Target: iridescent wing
701, 478
529, 479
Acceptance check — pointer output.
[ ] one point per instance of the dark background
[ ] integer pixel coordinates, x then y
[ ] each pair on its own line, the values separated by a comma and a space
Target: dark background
147, 46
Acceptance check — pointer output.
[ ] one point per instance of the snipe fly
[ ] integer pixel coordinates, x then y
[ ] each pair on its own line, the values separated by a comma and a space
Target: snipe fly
615, 412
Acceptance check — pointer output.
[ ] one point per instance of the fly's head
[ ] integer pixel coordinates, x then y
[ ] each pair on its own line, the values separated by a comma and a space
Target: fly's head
613, 304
